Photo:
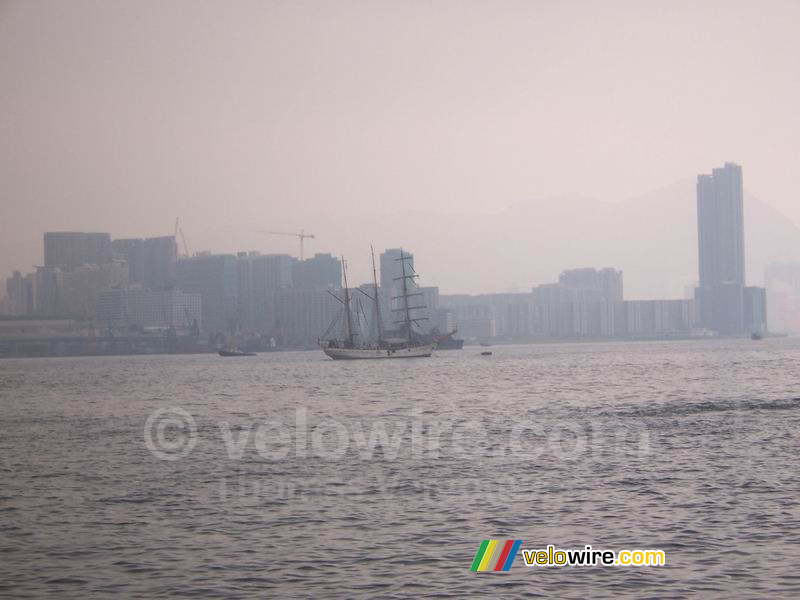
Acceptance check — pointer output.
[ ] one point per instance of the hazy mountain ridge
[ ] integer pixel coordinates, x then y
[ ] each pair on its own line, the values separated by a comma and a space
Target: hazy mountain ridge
527, 244
530, 243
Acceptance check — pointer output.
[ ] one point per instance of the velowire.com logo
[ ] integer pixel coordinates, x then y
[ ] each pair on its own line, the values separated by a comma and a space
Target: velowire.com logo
495, 555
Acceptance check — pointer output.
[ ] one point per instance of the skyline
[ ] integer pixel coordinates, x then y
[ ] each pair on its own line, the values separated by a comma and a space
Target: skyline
681, 209
120, 118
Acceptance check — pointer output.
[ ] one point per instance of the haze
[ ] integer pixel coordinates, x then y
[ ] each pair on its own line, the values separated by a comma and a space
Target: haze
453, 128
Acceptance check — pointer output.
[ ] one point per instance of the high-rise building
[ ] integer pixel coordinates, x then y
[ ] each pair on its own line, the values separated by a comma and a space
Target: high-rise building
68, 250
258, 275
48, 282
720, 226
317, 273
125, 307
160, 257
302, 316
79, 287
392, 269
723, 303
214, 277
20, 293
98, 249
131, 250
607, 282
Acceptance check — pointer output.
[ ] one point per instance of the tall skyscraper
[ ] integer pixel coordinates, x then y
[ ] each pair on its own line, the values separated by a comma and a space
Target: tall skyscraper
160, 259
131, 250
724, 304
720, 226
258, 276
214, 277
392, 270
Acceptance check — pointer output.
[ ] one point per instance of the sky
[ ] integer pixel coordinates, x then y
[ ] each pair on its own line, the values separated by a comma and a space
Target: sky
121, 116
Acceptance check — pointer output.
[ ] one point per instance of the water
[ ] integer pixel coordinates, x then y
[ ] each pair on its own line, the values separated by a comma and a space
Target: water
686, 447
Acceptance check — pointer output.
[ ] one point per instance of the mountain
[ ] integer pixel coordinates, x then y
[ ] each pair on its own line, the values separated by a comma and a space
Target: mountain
652, 238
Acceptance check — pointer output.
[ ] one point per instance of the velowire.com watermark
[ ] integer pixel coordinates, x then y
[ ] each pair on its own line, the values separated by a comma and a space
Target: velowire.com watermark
171, 433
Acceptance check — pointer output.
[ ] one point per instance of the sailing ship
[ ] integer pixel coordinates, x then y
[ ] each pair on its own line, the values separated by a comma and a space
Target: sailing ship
409, 343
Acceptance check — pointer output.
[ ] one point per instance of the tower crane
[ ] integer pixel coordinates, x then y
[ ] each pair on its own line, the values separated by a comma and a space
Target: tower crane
179, 230
302, 235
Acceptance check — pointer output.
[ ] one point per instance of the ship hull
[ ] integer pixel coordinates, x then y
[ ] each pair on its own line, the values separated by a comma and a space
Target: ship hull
378, 353
450, 344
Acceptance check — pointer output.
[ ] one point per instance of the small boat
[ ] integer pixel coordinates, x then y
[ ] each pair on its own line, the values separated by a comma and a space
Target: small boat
486, 353
447, 341
756, 335
235, 352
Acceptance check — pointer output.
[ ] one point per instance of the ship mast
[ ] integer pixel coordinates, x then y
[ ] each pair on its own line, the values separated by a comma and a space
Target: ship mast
407, 308
349, 318
377, 299
405, 296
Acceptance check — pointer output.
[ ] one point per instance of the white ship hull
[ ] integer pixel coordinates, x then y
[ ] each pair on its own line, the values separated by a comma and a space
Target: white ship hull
368, 353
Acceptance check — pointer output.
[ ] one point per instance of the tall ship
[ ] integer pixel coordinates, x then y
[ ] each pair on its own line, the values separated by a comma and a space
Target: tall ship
406, 342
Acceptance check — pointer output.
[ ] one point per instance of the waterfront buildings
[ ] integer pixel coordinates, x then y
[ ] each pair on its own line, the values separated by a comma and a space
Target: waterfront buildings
68, 250
151, 261
258, 276
131, 250
317, 273
138, 307
214, 278
20, 294
160, 257
303, 315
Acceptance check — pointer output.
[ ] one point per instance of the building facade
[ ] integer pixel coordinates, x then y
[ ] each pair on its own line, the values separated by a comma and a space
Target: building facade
258, 276
319, 272
68, 250
126, 307
724, 303
214, 277
392, 269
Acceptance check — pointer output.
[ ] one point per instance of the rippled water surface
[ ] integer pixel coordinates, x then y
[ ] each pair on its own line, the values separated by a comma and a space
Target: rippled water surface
687, 447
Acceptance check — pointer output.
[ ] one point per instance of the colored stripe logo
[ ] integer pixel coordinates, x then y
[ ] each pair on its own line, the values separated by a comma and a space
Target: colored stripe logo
495, 555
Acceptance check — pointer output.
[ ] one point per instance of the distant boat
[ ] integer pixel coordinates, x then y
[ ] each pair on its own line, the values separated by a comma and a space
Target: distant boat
756, 335
486, 353
235, 352
447, 341
411, 345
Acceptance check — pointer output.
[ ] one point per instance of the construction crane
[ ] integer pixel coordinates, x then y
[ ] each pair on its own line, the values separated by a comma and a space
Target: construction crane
302, 235
179, 229
185, 246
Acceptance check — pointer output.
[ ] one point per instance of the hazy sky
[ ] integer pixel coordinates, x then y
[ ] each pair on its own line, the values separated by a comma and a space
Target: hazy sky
120, 116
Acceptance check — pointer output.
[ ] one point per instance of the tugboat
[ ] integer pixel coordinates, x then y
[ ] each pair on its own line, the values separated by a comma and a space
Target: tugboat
235, 352
447, 341
411, 345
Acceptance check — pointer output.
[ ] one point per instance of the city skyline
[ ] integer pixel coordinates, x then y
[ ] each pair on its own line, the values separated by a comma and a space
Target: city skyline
120, 283
771, 238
